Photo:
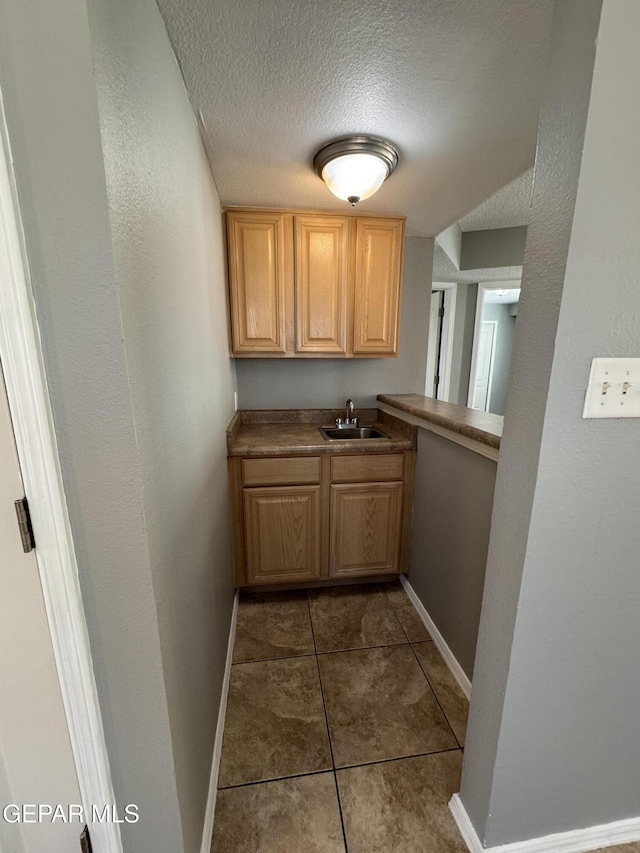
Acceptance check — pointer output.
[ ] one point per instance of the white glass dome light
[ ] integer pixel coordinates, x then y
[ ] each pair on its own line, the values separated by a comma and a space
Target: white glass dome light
356, 167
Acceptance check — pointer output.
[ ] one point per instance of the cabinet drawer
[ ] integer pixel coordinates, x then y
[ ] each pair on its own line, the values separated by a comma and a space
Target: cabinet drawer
366, 468
290, 471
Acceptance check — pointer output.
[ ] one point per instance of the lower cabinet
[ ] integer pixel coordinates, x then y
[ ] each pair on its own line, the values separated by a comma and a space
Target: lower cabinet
366, 522
301, 519
282, 533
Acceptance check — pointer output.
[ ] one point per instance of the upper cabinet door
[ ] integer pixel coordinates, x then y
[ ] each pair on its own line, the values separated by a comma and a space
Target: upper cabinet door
321, 283
378, 283
260, 273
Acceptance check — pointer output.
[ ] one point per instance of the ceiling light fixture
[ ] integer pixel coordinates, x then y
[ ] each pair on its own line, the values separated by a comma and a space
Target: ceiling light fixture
355, 168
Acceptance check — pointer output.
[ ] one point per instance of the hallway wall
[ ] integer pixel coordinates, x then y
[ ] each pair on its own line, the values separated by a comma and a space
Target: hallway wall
128, 280
166, 224
553, 733
450, 537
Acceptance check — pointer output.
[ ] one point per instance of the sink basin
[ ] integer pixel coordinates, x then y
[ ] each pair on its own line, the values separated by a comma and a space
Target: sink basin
351, 433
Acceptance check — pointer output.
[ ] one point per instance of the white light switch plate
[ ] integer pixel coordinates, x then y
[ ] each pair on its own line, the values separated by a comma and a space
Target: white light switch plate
614, 389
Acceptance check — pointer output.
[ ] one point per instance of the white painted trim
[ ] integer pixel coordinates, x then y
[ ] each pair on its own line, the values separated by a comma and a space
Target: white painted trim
482, 289
467, 830
448, 656
573, 841
478, 447
448, 329
37, 450
217, 744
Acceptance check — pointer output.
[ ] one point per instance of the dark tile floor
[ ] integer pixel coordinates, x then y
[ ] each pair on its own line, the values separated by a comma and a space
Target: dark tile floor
343, 731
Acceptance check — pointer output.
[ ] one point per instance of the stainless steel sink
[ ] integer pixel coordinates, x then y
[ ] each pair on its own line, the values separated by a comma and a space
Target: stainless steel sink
351, 433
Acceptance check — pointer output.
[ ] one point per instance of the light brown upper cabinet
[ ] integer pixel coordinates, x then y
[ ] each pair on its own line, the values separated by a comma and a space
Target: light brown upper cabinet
260, 270
309, 285
377, 292
321, 283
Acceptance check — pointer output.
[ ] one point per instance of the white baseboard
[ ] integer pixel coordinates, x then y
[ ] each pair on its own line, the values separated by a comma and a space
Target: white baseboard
574, 841
448, 656
207, 831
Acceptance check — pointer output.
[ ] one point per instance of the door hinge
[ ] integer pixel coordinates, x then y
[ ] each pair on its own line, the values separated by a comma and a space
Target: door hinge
441, 312
24, 525
85, 841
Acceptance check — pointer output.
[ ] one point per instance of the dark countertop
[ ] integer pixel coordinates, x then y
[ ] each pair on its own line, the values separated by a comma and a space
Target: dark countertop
480, 426
291, 432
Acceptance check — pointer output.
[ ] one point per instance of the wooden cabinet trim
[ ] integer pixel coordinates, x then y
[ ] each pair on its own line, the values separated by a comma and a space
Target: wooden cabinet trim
367, 468
378, 286
283, 534
322, 273
260, 277
274, 471
365, 528
307, 211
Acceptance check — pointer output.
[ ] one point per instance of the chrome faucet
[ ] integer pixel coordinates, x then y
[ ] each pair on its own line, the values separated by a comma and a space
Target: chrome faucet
349, 419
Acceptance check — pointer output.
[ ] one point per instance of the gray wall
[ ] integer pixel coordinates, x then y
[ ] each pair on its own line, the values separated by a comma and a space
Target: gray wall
55, 136
502, 359
497, 247
169, 255
553, 732
135, 351
326, 383
450, 536
462, 343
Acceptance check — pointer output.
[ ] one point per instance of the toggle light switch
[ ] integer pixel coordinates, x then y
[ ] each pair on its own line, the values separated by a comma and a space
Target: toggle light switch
614, 389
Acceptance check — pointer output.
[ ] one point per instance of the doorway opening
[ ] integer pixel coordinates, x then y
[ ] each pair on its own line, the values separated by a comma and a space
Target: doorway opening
496, 313
440, 341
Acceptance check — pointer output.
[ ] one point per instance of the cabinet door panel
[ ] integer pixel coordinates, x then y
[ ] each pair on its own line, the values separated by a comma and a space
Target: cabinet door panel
321, 282
259, 268
365, 528
379, 244
282, 529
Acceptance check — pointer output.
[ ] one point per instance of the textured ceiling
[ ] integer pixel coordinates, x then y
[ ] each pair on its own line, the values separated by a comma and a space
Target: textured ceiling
455, 84
508, 207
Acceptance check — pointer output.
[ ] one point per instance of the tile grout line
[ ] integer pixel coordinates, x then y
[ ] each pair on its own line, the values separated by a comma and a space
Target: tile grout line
436, 696
274, 779
328, 652
395, 613
362, 648
422, 670
326, 722
400, 758
338, 769
279, 657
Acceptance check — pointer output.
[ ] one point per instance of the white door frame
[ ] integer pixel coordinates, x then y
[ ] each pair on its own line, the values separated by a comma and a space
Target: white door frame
28, 396
482, 289
446, 348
